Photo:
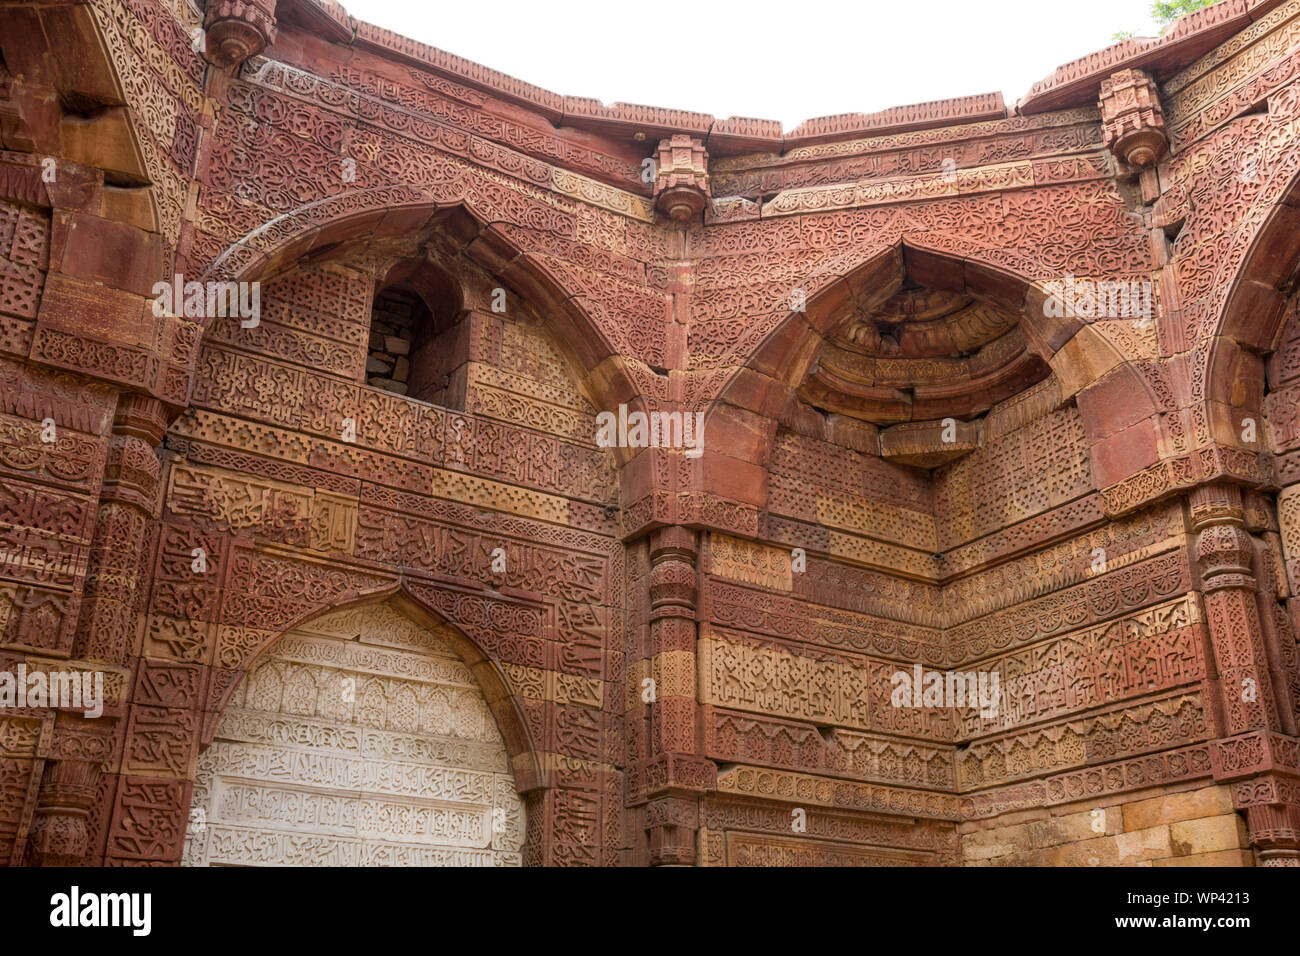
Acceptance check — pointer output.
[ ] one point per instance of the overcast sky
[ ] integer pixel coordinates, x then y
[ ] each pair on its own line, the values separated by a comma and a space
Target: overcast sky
749, 57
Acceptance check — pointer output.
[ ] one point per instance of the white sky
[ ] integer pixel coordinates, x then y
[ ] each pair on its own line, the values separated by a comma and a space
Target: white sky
749, 57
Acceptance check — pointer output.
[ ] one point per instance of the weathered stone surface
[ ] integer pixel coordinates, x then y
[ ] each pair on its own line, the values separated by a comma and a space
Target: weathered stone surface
677, 480
1208, 835
1178, 807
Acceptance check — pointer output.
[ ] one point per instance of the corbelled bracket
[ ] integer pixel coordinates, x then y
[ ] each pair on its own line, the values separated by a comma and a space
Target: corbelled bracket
681, 178
1132, 122
236, 30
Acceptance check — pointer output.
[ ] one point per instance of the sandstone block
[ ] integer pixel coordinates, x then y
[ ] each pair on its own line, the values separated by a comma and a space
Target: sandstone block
1149, 844
1208, 835
1075, 827
990, 844
388, 385
1217, 858
1176, 807
1122, 849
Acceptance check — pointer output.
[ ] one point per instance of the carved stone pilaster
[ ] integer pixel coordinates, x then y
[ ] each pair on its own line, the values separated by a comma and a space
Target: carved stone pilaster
681, 178
1251, 746
237, 30
674, 775
1271, 803
1224, 551
1132, 122
673, 553
127, 502
59, 835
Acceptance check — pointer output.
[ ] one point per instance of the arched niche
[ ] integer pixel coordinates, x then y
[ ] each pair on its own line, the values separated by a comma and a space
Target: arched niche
413, 314
360, 737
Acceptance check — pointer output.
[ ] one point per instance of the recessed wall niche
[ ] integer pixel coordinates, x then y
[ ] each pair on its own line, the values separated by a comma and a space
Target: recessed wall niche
416, 306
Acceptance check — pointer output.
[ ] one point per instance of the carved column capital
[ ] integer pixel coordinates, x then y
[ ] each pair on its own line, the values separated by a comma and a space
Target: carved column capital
673, 552
1132, 122
59, 835
1216, 503
237, 30
133, 469
1223, 555
1271, 803
1224, 548
681, 178
671, 823
1275, 832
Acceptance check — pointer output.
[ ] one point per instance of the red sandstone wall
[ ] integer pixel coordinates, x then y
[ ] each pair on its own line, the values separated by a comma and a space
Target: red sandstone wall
767, 735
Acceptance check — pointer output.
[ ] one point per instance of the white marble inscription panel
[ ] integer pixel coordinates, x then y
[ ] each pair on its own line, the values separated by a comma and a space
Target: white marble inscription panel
360, 740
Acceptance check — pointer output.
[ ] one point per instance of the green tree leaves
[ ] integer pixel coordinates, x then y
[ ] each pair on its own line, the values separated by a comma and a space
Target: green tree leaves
1165, 13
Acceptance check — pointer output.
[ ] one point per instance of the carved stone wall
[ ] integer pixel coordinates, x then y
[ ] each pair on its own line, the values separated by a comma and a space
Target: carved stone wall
934, 441
496, 516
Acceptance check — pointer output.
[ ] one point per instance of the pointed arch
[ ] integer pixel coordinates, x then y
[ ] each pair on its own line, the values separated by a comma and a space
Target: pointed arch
937, 261
318, 227
1254, 306
452, 620
386, 778
1256, 296
763, 392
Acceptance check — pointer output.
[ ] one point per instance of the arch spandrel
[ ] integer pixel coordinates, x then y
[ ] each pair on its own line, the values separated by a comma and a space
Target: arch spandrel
1235, 210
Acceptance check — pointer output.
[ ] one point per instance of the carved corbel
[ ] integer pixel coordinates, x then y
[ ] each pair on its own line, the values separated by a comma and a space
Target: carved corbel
236, 30
681, 178
1132, 122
